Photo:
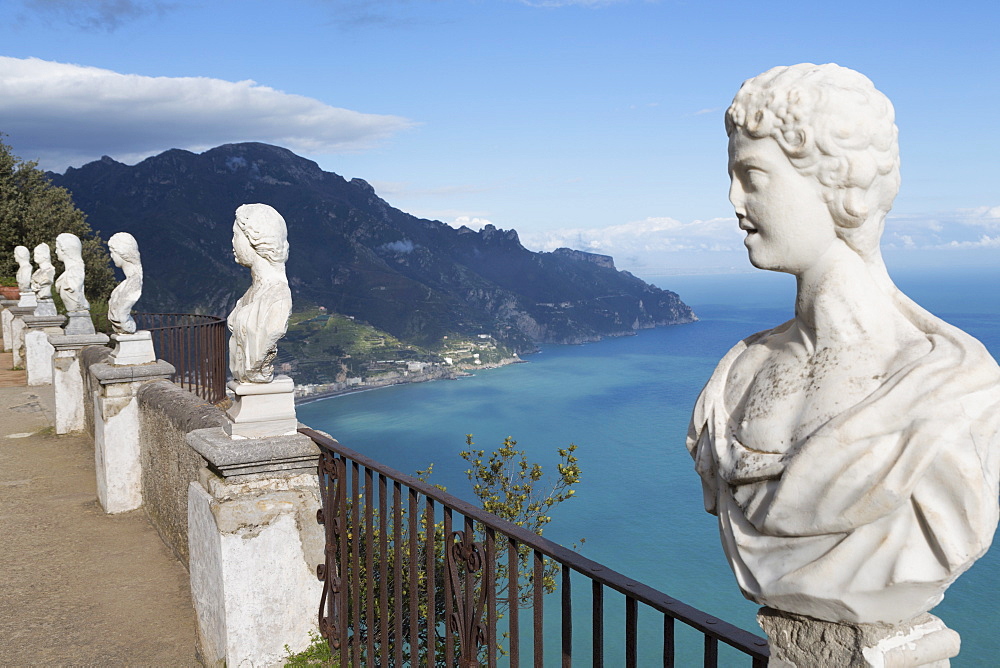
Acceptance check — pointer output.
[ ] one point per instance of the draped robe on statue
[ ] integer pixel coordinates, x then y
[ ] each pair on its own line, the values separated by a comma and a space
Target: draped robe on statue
875, 513
259, 320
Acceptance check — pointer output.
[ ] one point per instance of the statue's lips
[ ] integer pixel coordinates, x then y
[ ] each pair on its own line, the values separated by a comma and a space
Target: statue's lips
747, 226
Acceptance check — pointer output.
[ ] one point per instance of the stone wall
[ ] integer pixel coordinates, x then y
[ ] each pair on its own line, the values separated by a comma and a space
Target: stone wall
166, 414
91, 355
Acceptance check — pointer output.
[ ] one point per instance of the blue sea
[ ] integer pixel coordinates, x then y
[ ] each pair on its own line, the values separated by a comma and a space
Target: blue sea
626, 403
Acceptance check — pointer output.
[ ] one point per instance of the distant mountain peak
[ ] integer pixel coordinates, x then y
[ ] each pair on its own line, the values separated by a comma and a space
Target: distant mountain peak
353, 253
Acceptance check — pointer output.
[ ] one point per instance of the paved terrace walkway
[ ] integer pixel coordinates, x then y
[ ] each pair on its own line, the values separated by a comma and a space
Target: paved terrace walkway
77, 587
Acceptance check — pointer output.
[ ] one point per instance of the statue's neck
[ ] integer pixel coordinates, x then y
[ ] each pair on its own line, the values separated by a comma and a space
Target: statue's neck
262, 271
844, 300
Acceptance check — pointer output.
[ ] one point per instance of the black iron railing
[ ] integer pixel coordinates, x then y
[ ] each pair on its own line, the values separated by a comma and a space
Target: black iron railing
415, 576
195, 345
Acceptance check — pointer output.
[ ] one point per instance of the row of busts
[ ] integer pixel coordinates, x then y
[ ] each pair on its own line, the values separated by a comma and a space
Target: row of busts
35, 285
259, 320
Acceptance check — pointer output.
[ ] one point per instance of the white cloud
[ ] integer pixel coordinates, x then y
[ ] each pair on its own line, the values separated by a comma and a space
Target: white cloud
64, 114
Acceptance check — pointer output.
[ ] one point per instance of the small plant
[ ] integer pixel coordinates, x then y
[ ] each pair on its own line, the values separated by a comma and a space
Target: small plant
8, 282
316, 654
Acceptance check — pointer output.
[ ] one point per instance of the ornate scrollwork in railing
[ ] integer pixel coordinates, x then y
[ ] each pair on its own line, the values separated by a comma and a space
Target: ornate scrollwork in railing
332, 608
467, 620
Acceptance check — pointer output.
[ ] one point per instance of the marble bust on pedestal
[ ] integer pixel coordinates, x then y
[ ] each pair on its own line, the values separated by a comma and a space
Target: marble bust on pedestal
131, 346
41, 280
125, 254
24, 270
851, 454
70, 285
265, 403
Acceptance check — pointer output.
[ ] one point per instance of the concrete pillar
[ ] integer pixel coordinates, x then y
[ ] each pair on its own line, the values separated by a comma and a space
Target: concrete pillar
68, 379
254, 545
38, 350
117, 451
802, 642
6, 321
18, 313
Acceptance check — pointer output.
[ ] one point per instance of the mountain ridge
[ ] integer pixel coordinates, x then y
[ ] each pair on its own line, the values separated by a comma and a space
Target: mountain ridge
354, 253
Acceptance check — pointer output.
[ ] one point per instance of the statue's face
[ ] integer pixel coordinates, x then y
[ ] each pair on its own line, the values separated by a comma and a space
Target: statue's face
787, 222
242, 250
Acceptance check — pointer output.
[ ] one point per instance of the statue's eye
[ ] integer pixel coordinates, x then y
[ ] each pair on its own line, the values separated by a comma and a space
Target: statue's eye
756, 178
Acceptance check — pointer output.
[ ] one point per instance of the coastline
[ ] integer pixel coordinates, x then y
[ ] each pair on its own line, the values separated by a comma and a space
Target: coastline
338, 390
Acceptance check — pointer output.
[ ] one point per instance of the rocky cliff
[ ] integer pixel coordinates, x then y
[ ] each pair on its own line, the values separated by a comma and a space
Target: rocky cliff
353, 253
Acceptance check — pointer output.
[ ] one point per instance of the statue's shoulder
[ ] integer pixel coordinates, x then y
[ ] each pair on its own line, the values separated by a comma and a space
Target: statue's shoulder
712, 395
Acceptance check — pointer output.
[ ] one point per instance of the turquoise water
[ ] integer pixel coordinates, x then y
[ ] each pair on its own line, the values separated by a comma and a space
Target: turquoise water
626, 404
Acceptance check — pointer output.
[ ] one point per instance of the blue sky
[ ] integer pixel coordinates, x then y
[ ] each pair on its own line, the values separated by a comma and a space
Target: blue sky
585, 123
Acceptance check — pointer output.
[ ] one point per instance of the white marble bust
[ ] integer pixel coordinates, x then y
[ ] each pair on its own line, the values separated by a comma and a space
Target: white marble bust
850, 454
23, 258
69, 250
125, 254
41, 279
260, 318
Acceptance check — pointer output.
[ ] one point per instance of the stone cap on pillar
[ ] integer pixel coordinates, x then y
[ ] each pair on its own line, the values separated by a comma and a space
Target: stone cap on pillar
291, 453
73, 341
43, 321
22, 311
109, 374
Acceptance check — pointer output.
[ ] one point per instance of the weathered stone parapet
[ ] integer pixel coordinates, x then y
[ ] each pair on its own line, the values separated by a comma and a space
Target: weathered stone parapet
251, 525
38, 350
90, 356
167, 413
802, 642
18, 313
67, 379
116, 432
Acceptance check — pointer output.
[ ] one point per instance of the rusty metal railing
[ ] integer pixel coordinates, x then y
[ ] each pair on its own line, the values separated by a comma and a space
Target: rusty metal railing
195, 345
415, 576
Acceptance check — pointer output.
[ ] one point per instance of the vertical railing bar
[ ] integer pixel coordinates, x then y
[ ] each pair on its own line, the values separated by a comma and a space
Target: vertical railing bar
431, 580
490, 582
449, 603
567, 618
355, 529
711, 652
370, 566
414, 580
538, 589
631, 635
668, 641
344, 567
397, 571
597, 628
514, 601
469, 597
383, 562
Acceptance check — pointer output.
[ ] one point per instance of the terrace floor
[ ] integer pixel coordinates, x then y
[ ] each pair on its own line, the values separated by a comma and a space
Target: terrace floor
77, 586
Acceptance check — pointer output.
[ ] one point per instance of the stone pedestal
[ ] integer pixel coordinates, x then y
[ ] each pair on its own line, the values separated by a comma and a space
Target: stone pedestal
261, 410
802, 642
133, 348
254, 545
46, 307
18, 313
6, 322
79, 323
37, 349
116, 432
68, 379
28, 299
